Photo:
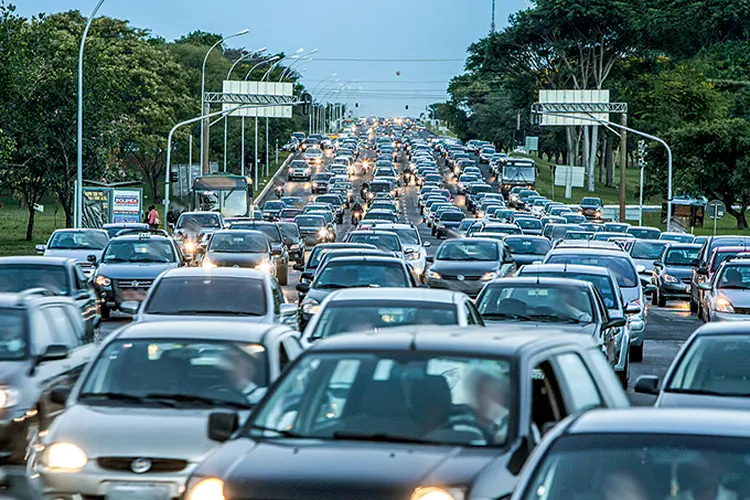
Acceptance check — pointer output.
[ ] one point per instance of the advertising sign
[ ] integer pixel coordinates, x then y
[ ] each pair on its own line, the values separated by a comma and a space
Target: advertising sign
126, 206
97, 204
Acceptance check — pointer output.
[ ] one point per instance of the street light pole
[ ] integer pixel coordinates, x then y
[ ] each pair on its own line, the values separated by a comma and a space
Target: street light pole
270, 59
204, 125
78, 190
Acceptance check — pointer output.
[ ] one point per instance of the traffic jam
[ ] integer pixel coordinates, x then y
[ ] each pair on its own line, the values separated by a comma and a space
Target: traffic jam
400, 316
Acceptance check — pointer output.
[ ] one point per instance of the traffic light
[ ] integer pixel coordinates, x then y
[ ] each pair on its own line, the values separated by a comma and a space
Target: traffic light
306, 103
174, 176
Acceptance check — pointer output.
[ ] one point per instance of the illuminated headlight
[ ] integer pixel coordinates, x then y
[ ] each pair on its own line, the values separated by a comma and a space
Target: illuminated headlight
371, 195
189, 247
64, 457
294, 247
480, 214
433, 275
314, 184
208, 264
723, 305
102, 281
207, 489
323, 233
668, 278
490, 276
435, 493
412, 256
310, 307
264, 266
8, 397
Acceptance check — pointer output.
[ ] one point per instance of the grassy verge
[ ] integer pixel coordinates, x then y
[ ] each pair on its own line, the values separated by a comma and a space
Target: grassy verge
13, 222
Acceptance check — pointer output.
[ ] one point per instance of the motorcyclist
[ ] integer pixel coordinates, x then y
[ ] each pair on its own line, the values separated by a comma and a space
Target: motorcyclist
365, 188
357, 211
279, 191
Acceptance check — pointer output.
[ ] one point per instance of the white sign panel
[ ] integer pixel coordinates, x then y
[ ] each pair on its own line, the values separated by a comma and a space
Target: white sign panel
532, 143
565, 175
573, 97
259, 88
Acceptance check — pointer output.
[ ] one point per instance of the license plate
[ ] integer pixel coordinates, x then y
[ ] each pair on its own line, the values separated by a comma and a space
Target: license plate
134, 295
128, 491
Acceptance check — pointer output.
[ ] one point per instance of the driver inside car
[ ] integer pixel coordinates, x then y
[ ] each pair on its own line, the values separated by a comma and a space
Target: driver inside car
489, 398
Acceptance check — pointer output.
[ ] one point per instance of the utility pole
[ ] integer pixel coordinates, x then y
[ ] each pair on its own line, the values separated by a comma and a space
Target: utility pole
623, 164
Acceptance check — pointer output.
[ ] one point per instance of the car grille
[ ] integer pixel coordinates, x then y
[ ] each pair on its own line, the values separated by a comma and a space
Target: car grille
686, 281
158, 465
742, 310
455, 277
135, 284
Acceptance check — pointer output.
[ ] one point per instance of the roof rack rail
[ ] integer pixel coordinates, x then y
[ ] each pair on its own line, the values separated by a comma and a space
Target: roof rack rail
127, 232
32, 292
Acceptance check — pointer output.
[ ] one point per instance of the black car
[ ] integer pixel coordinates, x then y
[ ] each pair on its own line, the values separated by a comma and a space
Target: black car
278, 248
295, 243
240, 248
591, 208
61, 276
308, 268
320, 182
272, 209
527, 249
43, 346
129, 266
415, 412
313, 228
352, 272
671, 274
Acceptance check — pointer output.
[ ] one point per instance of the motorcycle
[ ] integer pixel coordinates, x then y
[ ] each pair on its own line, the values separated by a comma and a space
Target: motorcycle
279, 191
356, 217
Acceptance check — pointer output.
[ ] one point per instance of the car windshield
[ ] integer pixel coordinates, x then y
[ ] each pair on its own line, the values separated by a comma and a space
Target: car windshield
734, 278
184, 373
338, 318
78, 240
647, 250
387, 242
640, 467
681, 256
679, 238
142, 251
13, 335
194, 222
644, 233
413, 397
113, 230
600, 281
350, 274
289, 230
408, 236
713, 364
310, 221
210, 295
452, 216
16, 278
271, 231
529, 223
528, 246
544, 303
621, 266
480, 188
290, 213
273, 205
616, 228
380, 187
468, 250
239, 242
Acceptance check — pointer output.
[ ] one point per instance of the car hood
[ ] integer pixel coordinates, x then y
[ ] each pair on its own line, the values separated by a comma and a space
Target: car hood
372, 471
581, 328
78, 255
465, 266
237, 259
134, 271
109, 431
679, 271
738, 298
675, 400
9, 369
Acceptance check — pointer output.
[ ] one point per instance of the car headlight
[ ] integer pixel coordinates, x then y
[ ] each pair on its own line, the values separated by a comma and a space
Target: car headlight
435, 493
490, 276
723, 305
102, 281
207, 489
668, 278
65, 457
208, 264
189, 247
314, 184
310, 306
371, 195
9, 397
323, 232
434, 275
413, 256
264, 266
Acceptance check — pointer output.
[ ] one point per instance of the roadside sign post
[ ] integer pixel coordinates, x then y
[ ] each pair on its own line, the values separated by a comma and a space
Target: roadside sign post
569, 177
641, 165
715, 210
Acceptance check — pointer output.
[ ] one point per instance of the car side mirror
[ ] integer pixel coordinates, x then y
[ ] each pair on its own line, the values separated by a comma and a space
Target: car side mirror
695, 263
430, 258
54, 352
616, 323
702, 271
298, 267
632, 309
130, 307
303, 287
426, 244
222, 426
81, 295
647, 384
91, 258
171, 226
288, 310
657, 263
307, 276
59, 395
40, 248
640, 268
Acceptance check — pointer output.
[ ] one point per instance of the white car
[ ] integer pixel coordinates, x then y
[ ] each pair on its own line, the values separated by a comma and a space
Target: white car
414, 247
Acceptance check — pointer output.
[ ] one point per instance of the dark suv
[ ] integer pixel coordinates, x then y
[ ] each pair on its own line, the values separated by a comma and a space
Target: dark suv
43, 346
278, 246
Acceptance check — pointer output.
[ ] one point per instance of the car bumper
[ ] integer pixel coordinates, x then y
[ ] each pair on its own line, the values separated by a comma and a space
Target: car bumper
299, 177
637, 325
469, 287
675, 290
721, 316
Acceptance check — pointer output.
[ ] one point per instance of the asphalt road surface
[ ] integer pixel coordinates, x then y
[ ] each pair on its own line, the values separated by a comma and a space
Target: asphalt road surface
666, 330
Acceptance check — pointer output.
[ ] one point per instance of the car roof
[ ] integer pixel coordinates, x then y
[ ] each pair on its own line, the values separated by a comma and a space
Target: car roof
482, 341
662, 421
529, 280
140, 237
367, 258
80, 230
399, 294
198, 329
567, 268
217, 272
36, 260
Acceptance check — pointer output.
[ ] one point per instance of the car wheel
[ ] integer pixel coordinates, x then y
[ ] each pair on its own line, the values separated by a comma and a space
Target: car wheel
654, 297
104, 311
662, 301
624, 375
636, 353
282, 274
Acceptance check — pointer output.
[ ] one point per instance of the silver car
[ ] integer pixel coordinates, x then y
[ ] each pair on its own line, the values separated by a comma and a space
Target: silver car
134, 424
237, 294
414, 247
83, 245
727, 296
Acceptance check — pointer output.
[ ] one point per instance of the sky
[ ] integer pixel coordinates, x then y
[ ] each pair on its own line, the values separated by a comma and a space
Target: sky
365, 43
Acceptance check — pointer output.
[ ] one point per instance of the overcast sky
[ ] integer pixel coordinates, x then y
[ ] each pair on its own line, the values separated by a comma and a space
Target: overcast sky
424, 40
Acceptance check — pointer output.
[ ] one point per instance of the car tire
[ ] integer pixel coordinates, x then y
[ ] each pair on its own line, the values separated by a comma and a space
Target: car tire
283, 274
104, 312
654, 297
624, 375
662, 301
636, 353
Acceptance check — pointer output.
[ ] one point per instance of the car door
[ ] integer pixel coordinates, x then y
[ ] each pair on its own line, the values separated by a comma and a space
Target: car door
471, 315
85, 297
541, 386
579, 387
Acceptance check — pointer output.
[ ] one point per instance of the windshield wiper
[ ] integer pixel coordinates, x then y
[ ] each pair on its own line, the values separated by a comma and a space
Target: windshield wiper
507, 316
119, 397
280, 432
212, 311
553, 318
190, 398
112, 260
332, 286
378, 437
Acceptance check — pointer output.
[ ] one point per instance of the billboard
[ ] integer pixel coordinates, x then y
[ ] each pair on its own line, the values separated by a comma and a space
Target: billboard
126, 205
259, 89
111, 205
97, 203
573, 97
